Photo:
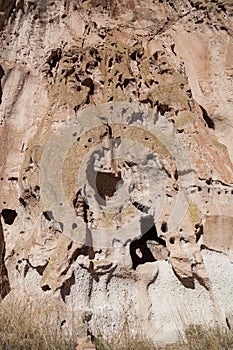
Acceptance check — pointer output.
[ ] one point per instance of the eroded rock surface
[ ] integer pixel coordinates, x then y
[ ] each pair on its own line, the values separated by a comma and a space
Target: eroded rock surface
116, 161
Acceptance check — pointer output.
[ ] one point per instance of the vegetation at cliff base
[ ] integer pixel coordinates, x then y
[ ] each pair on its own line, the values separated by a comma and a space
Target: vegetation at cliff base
196, 337
25, 328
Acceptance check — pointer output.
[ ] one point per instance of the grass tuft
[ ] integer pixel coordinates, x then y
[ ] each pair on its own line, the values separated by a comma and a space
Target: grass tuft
196, 337
199, 337
26, 327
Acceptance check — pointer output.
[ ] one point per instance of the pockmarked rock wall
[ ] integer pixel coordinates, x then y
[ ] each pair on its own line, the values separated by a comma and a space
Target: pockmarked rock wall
116, 167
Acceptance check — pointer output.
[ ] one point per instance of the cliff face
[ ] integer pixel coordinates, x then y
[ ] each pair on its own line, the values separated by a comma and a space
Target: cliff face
116, 161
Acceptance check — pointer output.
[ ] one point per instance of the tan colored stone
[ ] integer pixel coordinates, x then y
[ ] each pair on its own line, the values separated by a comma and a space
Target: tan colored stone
81, 66
182, 266
218, 233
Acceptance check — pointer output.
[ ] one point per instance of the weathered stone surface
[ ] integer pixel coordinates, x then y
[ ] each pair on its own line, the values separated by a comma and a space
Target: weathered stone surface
116, 161
218, 233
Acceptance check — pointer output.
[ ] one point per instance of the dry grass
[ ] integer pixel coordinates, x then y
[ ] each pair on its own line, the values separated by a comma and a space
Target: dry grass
24, 327
197, 337
27, 327
132, 344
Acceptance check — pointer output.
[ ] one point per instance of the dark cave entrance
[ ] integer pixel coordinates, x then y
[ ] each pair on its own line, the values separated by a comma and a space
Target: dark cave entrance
9, 216
4, 280
149, 233
106, 184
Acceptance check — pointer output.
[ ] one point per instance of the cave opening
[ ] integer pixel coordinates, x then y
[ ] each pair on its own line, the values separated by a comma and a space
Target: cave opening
207, 119
1, 75
139, 251
66, 287
9, 216
164, 227
4, 280
107, 184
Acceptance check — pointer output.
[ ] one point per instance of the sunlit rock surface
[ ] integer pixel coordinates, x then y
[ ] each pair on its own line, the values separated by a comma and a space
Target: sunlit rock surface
116, 162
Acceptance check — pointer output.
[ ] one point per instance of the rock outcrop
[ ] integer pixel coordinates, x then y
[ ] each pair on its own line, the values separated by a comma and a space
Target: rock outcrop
116, 162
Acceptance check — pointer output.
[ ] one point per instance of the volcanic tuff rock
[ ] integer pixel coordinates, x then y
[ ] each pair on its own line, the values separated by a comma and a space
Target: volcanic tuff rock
116, 161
